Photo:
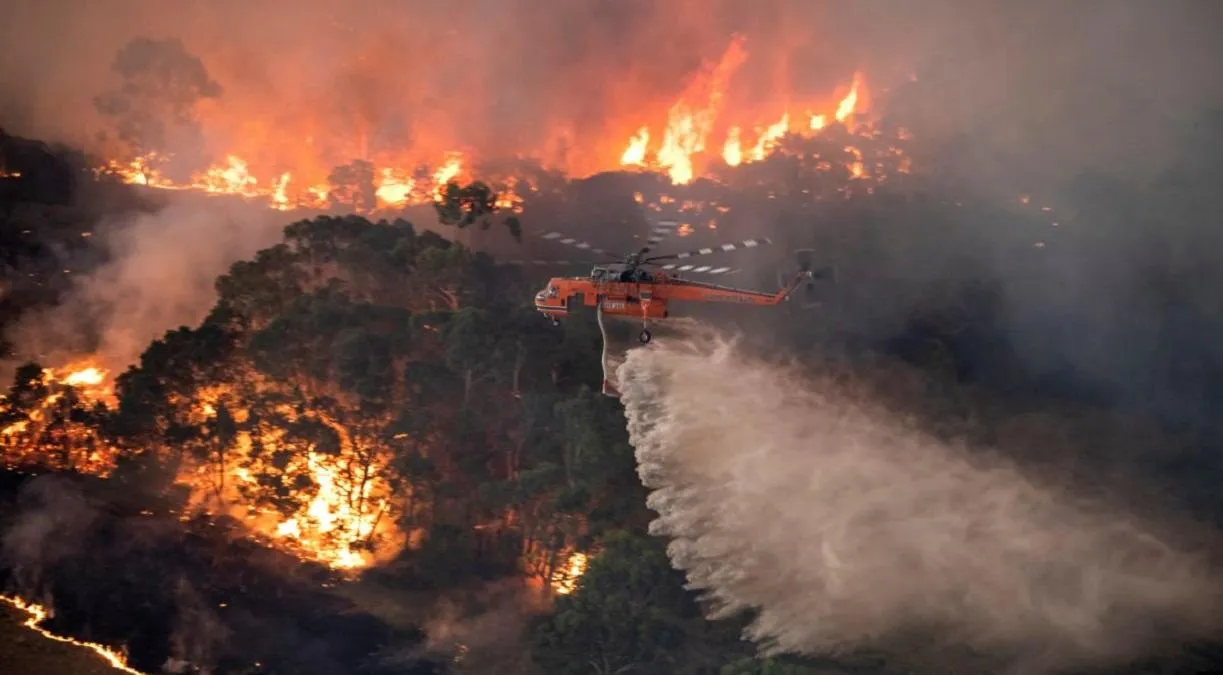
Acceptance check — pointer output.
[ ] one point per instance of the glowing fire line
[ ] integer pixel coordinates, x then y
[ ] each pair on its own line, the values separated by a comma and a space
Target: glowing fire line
565, 579
681, 141
36, 614
346, 520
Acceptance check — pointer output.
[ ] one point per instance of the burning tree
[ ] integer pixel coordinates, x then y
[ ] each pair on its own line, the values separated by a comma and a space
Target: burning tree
363, 393
55, 420
154, 107
349, 387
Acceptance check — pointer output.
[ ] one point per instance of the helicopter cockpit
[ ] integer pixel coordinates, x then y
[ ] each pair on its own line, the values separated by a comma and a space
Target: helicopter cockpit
629, 275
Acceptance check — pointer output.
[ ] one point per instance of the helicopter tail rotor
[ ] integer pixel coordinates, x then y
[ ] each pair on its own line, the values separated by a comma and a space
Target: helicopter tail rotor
808, 295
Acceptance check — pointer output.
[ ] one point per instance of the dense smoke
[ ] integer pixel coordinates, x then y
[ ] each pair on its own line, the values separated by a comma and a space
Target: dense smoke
476, 630
160, 274
198, 632
851, 530
55, 518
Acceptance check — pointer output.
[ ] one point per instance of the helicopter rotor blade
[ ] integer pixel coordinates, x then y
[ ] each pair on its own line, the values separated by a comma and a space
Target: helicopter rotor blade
659, 233
723, 248
539, 262
565, 239
698, 269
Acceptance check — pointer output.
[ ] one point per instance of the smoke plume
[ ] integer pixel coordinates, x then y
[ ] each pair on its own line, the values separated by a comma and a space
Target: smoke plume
54, 520
160, 274
850, 530
476, 631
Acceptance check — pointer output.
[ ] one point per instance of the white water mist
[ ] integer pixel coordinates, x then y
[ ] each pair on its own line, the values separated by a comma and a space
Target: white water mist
849, 530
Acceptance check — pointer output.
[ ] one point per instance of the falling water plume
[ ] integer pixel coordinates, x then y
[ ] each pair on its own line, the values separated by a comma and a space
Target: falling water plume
848, 530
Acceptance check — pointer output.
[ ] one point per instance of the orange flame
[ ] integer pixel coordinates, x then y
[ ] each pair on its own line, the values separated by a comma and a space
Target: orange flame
38, 438
634, 154
685, 137
395, 187
343, 518
768, 138
342, 514
90, 376
732, 149
848, 105
693, 116
565, 579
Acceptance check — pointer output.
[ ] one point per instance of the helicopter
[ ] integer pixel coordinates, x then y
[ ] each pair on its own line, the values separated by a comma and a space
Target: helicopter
640, 285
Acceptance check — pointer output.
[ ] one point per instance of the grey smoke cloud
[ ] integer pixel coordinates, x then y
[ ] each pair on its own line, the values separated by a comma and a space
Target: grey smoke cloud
160, 274
850, 529
55, 518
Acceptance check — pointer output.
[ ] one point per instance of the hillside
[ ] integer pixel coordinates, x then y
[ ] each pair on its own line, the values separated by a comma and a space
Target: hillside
22, 650
369, 410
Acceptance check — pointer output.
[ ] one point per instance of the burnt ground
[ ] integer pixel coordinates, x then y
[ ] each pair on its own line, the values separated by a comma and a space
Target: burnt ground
23, 651
123, 570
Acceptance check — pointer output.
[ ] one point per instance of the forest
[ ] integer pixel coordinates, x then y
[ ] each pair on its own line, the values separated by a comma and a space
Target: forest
485, 514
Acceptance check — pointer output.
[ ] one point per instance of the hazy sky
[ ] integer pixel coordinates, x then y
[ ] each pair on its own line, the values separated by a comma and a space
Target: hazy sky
1090, 80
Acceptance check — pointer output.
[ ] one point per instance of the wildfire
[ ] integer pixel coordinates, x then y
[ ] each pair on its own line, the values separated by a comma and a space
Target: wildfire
90, 376
335, 506
634, 154
328, 513
338, 509
35, 423
234, 178
37, 614
565, 578
392, 186
695, 114
686, 136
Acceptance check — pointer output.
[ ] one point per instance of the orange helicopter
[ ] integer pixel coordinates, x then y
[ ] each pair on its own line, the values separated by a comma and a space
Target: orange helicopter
627, 288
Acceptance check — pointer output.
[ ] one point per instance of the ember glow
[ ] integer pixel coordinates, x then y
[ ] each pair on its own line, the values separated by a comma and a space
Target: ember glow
393, 186
335, 505
565, 579
332, 506
89, 376
35, 426
36, 614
